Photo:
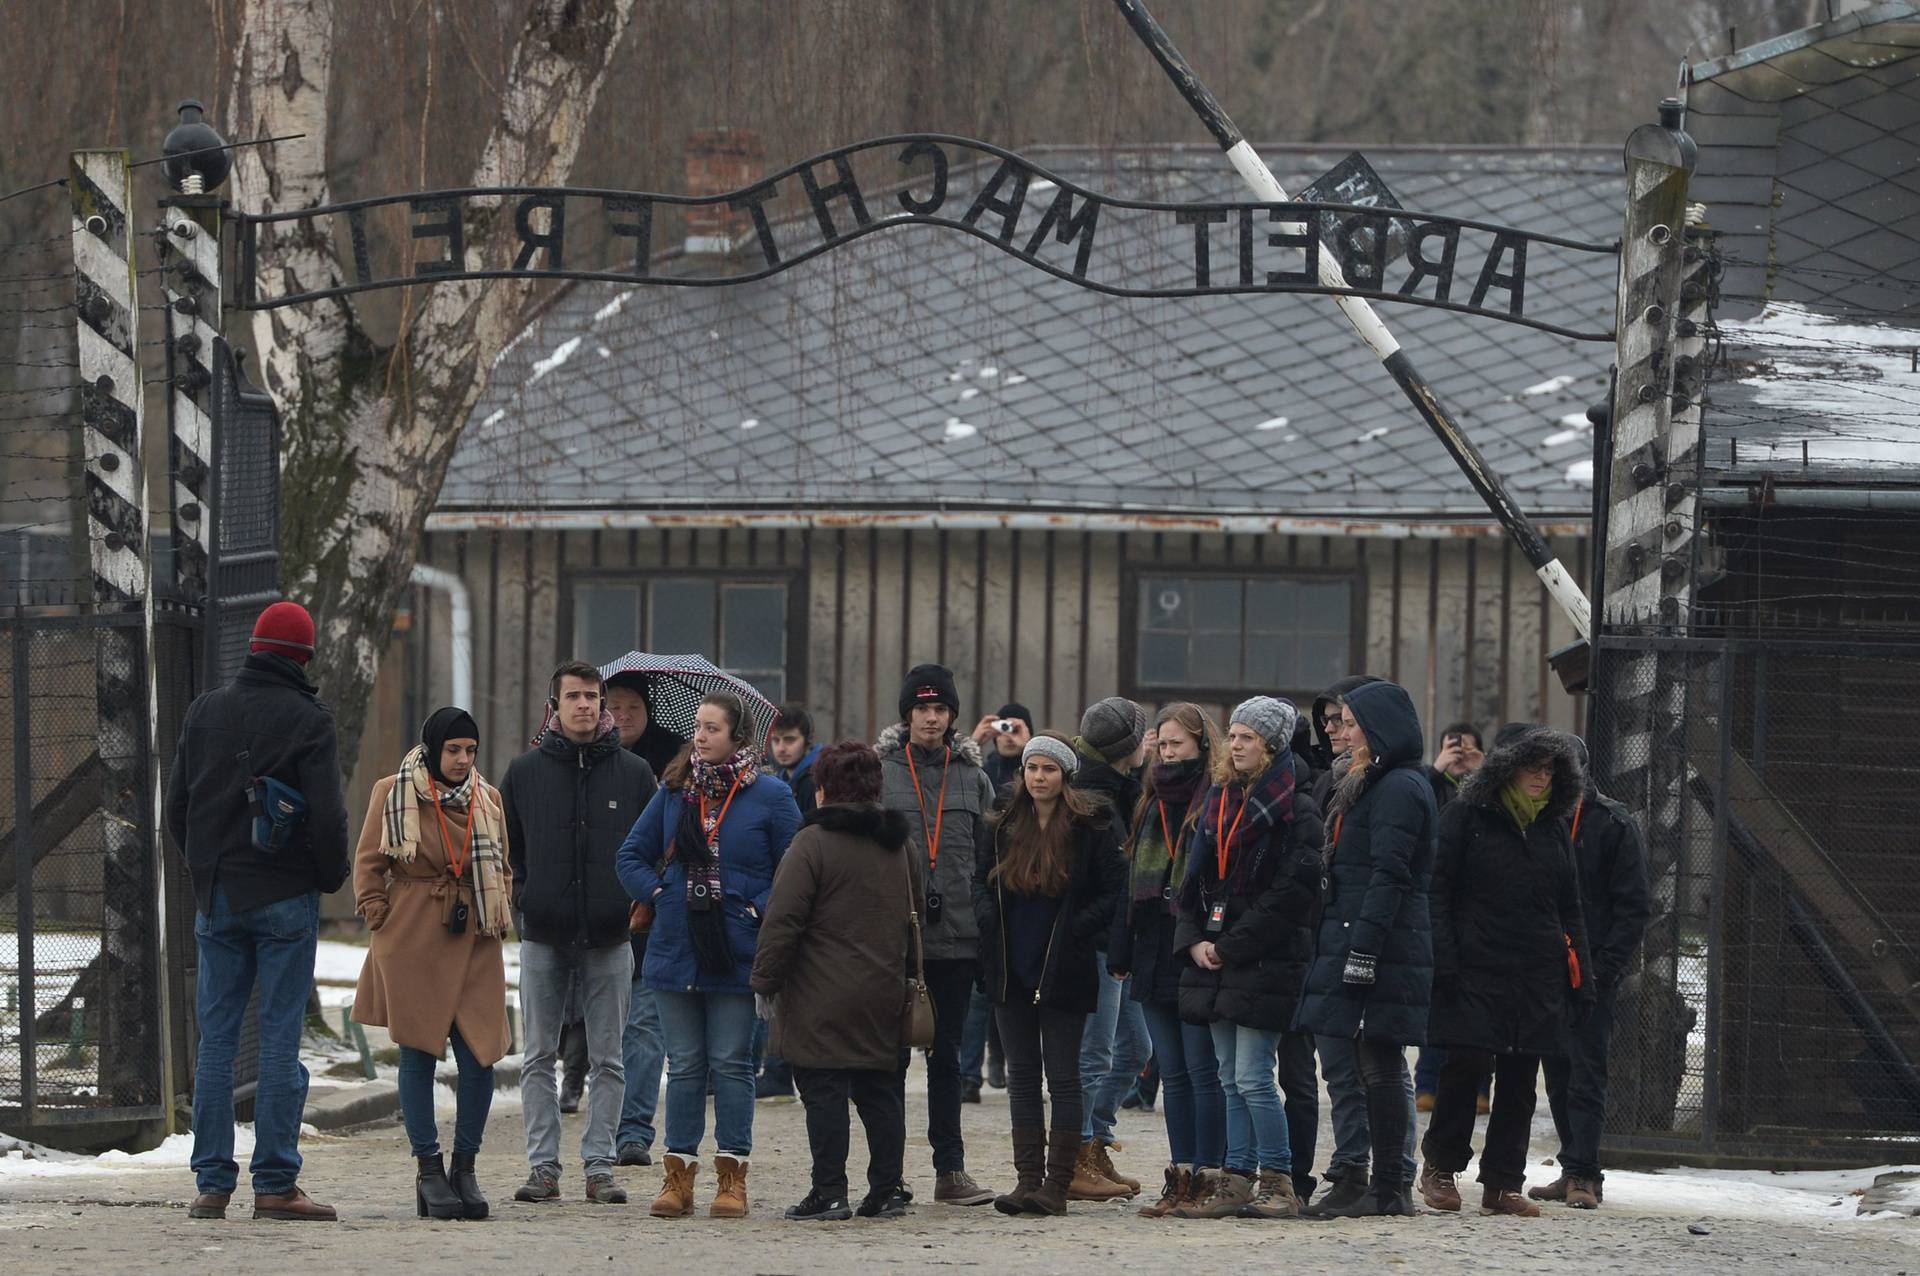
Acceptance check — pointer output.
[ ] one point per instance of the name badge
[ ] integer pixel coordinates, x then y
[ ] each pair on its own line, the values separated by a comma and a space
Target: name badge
1217, 919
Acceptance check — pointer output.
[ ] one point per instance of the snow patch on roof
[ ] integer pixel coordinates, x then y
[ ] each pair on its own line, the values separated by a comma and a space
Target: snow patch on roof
1580, 473
958, 429
1553, 385
1377, 432
561, 353
1851, 387
612, 308
1273, 423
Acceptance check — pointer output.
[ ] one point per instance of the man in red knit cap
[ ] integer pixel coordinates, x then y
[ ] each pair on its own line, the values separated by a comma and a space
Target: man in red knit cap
251, 754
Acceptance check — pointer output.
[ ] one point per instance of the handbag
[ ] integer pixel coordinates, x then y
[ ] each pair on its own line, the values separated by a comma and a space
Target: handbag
916, 1013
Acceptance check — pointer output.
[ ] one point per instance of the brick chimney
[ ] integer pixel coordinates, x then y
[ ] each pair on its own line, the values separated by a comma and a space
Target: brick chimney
720, 160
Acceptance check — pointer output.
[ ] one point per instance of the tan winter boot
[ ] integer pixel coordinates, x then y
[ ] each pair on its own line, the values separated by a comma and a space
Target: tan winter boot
1583, 1194
1179, 1182
1104, 1163
730, 1200
1554, 1191
1089, 1184
1273, 1197
1231, 1193
1063, 1156
1507, 1202
1200, 1190
676, 1194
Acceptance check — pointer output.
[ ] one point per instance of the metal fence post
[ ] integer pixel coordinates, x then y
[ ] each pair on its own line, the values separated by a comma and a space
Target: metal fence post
21, 649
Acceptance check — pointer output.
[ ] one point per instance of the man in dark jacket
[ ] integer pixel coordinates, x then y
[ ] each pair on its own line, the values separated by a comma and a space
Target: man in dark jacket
259, 909
932, 774
570, 801
1611, 857
630, 701
792, 752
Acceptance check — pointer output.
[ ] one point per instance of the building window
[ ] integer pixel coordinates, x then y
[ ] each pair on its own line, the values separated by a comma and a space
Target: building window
739, 624
1227, 634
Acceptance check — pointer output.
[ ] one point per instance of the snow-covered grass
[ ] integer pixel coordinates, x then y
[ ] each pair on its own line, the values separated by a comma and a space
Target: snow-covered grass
1737, 1194
20, 1159
336, 969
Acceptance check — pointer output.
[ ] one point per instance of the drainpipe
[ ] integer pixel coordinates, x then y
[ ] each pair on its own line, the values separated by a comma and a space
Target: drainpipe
461, 601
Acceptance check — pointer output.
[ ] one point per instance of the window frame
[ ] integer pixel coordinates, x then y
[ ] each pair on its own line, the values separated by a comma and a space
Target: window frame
793, 579
1161, 693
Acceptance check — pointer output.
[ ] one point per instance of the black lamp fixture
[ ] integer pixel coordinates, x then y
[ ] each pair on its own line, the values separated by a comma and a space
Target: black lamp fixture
194, 165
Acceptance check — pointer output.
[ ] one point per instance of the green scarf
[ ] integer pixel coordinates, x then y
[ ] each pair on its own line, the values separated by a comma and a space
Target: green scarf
1524, 810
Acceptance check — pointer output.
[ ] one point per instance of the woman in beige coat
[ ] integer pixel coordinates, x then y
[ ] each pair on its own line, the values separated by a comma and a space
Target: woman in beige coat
430, 878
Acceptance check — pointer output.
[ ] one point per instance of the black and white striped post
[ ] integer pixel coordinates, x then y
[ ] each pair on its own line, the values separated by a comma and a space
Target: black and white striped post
121, 602
1253, 170
190, 246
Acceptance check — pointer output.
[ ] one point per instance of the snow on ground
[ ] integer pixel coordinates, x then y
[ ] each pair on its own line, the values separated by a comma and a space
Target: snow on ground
20, 1159
336, 969
1808, 1194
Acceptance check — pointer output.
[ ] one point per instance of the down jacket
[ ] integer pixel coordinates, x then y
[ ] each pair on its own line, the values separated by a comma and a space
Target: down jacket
1374, 883
1506, 910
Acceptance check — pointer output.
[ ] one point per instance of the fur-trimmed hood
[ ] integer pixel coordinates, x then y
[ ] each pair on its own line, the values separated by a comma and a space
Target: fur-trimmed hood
887, 829
1537, 745
893, 742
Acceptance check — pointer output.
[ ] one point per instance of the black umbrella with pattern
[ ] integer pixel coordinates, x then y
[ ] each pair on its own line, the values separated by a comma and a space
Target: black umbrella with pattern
675, 686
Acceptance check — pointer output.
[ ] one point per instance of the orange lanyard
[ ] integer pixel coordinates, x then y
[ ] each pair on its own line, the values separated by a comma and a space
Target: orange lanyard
1337, 821
713, 838
1164, 831
1578, 807
1225, 839
940, 816
457, 859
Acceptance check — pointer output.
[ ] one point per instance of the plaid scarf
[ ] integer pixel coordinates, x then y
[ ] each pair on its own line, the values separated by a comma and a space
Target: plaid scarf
697, 845
1261, 805
1158, 868
413, 787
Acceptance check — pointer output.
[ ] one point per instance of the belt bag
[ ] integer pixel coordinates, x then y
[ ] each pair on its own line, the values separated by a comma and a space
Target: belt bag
278, 811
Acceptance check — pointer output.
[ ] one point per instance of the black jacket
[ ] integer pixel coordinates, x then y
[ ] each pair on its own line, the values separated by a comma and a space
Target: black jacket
1374, 885
568, 807
1614, 892
1097, 885
1506, 909
658, 746
271, 712
1269, 891
1142, 941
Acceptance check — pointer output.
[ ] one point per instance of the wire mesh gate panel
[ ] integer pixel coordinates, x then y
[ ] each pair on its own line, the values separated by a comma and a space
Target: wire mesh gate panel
1774, 1015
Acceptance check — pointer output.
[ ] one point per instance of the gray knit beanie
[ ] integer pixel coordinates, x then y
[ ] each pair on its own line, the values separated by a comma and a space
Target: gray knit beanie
1273, 718
1114, 727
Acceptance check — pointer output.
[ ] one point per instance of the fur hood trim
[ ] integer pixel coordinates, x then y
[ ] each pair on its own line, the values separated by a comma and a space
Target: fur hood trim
876, 824
1541, 744
893, 742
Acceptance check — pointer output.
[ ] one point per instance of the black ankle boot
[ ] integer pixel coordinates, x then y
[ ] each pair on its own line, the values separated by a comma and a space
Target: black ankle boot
473, 1205
433, 1196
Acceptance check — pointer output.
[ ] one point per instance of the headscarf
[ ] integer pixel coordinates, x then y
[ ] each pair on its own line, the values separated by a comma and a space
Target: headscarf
418, 783
446, 724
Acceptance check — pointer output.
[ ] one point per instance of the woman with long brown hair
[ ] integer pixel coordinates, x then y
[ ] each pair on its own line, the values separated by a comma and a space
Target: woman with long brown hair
1044, 900
1142, 946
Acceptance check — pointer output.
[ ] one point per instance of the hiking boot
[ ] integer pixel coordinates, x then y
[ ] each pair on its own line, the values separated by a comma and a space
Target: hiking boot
1231, 1193
209, 1205
888, 1202
1172, 1192
473, 1202
730, 1198
1554, 1191
1064, 1153
820, 1209
632, 1154
676, 1194
996, 1071
1273, 1197
1584, 1194
1030, 1163
1342, 1198
572, 1087
1200, 1193
433, 1196
1393, 1199
1088, 1183
956, 1187
543, 1184
293, 1206
602, 1190
1438, 1189
1508, 1202
1104, 1163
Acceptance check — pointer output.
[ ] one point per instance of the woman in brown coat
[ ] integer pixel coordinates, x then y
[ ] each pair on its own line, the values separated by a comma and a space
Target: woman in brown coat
429, 876
832, 960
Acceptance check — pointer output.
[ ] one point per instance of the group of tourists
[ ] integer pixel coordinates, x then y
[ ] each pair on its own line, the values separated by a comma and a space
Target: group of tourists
1239, 901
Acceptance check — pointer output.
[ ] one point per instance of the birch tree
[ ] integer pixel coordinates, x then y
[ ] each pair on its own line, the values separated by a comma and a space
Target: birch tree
370, 427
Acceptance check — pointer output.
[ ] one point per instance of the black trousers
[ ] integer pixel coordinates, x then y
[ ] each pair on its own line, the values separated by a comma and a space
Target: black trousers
1449, 1141
950, 984
1577, 1092
1300, 1085
1381, 1067
826, 1092
1039, 1040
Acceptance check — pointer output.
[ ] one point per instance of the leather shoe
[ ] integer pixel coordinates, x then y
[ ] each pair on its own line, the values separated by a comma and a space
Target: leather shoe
209, 1205
293, 1206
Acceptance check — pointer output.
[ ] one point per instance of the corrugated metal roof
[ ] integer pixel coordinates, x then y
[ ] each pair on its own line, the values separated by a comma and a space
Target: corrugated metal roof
912, 370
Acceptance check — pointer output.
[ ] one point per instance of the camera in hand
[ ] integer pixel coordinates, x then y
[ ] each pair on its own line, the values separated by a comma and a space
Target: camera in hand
457, 919
1003, 725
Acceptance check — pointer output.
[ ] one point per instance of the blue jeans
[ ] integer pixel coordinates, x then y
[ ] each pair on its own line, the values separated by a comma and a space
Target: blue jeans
708, 1030
1352, 1141
1190, 1096
271, 946
1112, 1052
1256, 1123
973, 1040
474, 1099
644, 1053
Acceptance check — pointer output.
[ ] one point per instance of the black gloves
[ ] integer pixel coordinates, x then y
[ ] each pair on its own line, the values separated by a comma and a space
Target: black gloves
1359, 969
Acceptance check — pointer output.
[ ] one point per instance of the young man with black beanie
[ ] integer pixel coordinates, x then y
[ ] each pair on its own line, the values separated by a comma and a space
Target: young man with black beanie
932, 774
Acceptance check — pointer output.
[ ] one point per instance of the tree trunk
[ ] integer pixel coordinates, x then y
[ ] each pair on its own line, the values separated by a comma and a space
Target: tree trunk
370, 429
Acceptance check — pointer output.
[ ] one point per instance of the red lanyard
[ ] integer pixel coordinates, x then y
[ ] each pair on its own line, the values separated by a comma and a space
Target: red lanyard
1337, 821
940, 816
457, 859
1225, 839
713, 838
1578, 807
